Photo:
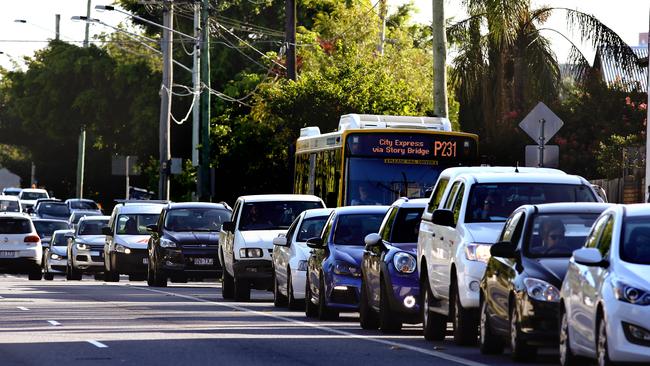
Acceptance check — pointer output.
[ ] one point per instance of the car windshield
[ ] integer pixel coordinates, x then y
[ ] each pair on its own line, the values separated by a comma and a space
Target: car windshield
135, 224
495, 202
46, 228
83, 205
9, 206
558, 235
635, 241
54, 209
406, 226
91, 227
32, 195
352, 229
311, 228
59, 240
11, 192
76, 216
196, 219
273, 215
14, 226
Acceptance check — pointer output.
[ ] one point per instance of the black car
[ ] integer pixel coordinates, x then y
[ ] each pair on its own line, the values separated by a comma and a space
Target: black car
520, 290
46, 227
185, 241
52, 210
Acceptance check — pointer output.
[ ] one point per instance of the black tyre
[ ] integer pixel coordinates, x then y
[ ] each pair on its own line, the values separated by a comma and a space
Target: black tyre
155, 278
151, 279
242, 290
324, 311
36, 274
311, 311
110, 276
48, 276
227, 285
602, 346
368, 318
279, 300
489, 343
73, 274
292, 303
521, 350
567, 358
464, 321
388, 321
434, 325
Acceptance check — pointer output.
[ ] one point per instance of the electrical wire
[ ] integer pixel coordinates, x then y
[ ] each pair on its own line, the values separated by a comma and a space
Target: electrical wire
249, 45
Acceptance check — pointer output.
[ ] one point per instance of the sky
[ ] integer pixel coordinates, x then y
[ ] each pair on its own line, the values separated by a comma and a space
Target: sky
626, 17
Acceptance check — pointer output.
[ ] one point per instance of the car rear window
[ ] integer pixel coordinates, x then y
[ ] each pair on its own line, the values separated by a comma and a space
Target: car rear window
15, 226
352, 229
32, 195
83, 205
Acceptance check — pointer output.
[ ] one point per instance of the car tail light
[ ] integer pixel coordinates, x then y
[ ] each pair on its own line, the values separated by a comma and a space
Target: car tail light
32, 239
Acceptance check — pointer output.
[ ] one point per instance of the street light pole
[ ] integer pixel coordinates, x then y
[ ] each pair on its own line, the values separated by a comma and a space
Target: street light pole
165, 101
439, 60
87, 25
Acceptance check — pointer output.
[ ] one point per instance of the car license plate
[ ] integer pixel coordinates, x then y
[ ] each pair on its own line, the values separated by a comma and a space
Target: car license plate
7, 254
145, 260
94, 254
203, 261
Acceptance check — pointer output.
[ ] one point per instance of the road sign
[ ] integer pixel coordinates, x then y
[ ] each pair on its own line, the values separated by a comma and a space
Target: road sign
551, 156
176, 166
532, 124
118, 165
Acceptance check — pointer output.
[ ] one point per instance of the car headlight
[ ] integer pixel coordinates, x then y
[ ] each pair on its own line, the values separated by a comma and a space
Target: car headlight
404, 262
302, 265
166, 243
55, 256
82, 246
630, 294
541, 290
122, 249
251, 253
344, 268
478, 252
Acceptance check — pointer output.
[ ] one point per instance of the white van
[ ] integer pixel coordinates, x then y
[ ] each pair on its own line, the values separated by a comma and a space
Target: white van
246, 241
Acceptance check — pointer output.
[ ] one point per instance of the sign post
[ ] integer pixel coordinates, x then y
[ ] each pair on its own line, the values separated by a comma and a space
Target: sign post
541, 124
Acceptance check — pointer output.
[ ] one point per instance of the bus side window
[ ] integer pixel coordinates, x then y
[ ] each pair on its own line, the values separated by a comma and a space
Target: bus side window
436, 196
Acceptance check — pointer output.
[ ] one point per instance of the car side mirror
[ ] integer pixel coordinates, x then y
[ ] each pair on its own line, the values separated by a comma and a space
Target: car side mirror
443, 217
228, 226
152, 228
589, 257
106, 230
30, 210
280, 240
315, 243
503, 249
372, 241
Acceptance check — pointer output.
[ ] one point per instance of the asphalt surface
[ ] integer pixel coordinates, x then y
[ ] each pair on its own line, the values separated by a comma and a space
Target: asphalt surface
127, 323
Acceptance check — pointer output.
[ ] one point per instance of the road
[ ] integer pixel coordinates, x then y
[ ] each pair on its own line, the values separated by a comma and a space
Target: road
127, 323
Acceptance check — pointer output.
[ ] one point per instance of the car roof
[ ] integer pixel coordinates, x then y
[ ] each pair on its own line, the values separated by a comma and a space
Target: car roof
636, 209
38, 190
35, 219
455, 171
63, 231
141, 208
350, 210
280, 197
95, 218
523, 178
411, 202
8, 198
12, 189
181, 205
569, 207
317, 212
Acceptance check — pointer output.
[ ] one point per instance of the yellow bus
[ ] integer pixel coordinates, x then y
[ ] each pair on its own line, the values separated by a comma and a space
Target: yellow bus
374, 159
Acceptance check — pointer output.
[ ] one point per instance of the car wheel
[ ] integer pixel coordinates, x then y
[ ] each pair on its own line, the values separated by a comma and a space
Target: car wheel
311, 311
151, 278
602, 350
111, 276
227, 285
464, 321
48, 276
279, 300
567, 358
292, 303
388, 322
36, 274
368, 318
155, 278
242, 290
434, 325
489, 343
324, 311
520, 349
73, 273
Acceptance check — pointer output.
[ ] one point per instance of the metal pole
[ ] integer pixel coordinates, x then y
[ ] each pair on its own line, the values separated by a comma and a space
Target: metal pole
87, 25
382, 27
126, 160
204, 172
440, 108
57, 26
196, 80
541, 142
165, 101
32, 182
290, 29
81, 158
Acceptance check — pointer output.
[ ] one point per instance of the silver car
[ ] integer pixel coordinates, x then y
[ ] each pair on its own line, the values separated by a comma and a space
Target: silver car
55, 257
85, 250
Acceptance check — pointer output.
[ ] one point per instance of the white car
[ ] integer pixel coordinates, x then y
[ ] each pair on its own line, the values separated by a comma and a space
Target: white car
127, 239
21, 250
290, 255
246, 242
455, 238
28, 197
9, 204
605, 296
55, 258
86, 248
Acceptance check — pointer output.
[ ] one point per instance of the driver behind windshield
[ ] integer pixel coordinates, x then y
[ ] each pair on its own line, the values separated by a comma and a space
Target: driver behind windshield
552, 234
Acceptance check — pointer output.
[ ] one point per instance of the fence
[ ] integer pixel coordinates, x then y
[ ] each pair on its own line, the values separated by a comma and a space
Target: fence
629, 189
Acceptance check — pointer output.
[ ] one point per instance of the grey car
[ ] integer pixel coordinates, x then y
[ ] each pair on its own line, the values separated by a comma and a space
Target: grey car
55, 257
86, 249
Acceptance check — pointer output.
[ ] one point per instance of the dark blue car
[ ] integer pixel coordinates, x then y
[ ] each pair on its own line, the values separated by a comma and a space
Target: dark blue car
390, 285
333, 269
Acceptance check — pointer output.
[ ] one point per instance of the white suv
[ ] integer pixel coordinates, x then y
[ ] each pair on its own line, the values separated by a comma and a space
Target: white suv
455, 237
21, 250
246, 241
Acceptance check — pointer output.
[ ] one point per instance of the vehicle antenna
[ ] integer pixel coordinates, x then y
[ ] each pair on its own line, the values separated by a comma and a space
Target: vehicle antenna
517, 167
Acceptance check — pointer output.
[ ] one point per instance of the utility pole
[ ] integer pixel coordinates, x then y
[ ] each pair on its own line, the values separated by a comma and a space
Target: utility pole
57, 26
87, 25
439, 60
204, 172
165, 100
80, 162
290, 30
382, 27
196, 80
126, 163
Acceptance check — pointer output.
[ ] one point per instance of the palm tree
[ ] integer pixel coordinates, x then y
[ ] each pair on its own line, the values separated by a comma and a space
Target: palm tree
504, 64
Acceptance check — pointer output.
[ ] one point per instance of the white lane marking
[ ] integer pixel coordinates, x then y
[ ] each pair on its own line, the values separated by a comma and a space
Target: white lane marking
22, 308
97, 344
54, 322
429, 352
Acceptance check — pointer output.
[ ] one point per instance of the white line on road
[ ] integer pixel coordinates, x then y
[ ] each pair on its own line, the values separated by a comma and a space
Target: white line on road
97, 344
22, 308
425, 351
54, 322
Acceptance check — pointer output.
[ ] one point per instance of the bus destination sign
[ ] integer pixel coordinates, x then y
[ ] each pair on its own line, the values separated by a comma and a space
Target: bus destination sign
411, 146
